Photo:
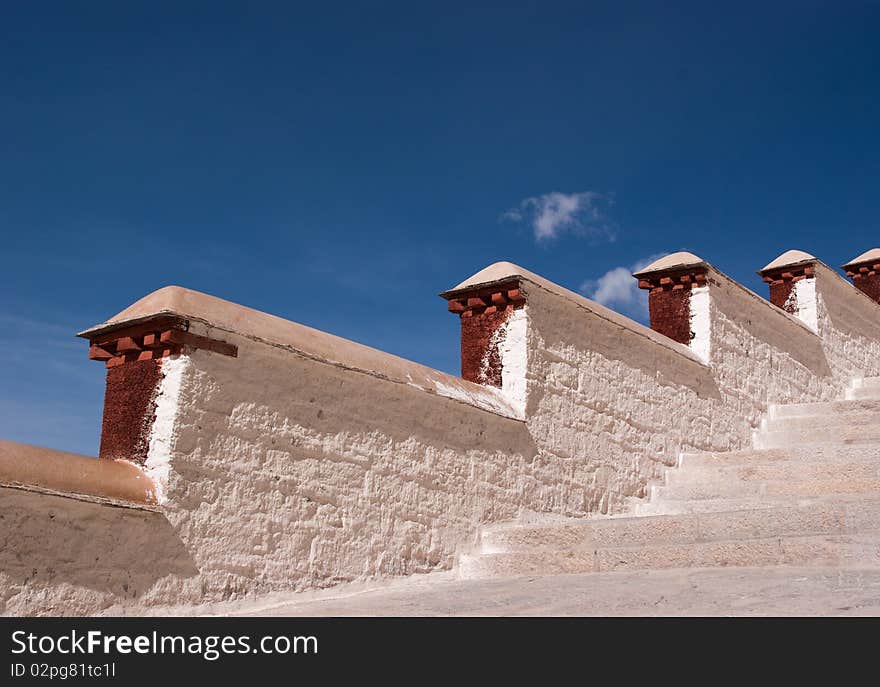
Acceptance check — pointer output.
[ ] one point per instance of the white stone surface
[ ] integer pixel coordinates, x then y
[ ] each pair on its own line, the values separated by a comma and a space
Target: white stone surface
292, 466
288, 473
849, 327
162, 433
513, 347
701, 322
803, 303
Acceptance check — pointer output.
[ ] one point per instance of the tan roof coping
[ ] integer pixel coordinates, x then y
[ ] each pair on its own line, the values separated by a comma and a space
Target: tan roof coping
789, 258
507, 271
493, 274
36, 468
311, 343
672, 262
872, 255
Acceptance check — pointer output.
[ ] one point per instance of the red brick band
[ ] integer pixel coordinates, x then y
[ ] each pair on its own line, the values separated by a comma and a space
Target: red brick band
129, 410
782, 281
483, 311
153, 340
866, 278
133, 356
669, 300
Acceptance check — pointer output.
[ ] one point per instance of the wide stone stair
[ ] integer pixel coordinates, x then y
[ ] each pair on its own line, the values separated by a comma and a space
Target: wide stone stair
808, 494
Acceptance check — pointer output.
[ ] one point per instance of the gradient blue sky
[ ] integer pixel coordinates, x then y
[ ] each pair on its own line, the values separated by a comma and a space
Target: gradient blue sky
340, 165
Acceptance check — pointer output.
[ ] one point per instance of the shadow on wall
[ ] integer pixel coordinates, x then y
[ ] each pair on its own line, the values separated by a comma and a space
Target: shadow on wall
742, 315
99, 554
850, 313
601, 341
322, 474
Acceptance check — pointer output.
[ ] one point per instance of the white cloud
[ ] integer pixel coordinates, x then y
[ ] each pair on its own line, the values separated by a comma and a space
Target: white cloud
617, 289
553, 213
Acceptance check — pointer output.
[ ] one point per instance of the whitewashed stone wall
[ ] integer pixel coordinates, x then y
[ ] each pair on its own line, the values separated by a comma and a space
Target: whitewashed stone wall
284, 470
848, 326
610, 403
617, 406
345, 475
760, 355
288, 472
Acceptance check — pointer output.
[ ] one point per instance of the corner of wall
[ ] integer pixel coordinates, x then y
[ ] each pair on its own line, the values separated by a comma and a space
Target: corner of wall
701, 322
158, 464
512, 345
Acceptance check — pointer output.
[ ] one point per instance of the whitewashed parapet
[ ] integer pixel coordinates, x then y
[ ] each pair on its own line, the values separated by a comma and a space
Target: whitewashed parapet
792, 281
678, 299
287, 458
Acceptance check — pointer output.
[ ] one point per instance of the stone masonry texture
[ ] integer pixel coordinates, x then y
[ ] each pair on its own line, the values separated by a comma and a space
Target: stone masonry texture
286, 471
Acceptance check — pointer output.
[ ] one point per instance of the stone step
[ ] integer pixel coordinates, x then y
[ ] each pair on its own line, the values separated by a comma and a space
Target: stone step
863, 393
772, 489
825, 517
867, 383
833, 408
861, 550
852, 419
846, 434
669, 506
816, 452
863, 468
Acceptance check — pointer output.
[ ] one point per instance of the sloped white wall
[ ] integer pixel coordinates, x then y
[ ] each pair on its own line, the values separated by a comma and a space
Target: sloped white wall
284, 471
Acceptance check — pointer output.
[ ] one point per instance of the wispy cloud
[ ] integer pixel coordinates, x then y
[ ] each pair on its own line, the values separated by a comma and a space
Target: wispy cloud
551, 214
618, 290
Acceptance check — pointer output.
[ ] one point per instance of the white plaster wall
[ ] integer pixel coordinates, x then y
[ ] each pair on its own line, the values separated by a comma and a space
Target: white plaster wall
848, 323
322, 474
701, 322
608, 406
513, 348
282, 471
290, 473
804, 296
761, 355
615, 407
168, 404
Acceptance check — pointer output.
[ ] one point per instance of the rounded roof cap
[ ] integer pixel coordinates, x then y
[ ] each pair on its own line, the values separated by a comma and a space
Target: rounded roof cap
788, 259
494, 273
868, 256
673, 261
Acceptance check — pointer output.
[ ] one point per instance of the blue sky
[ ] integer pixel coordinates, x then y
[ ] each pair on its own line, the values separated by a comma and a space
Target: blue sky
339, 165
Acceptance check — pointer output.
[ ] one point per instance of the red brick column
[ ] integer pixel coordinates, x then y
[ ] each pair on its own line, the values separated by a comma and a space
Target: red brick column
669, 282
783, 273
865, 273
133, 355
483, 309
